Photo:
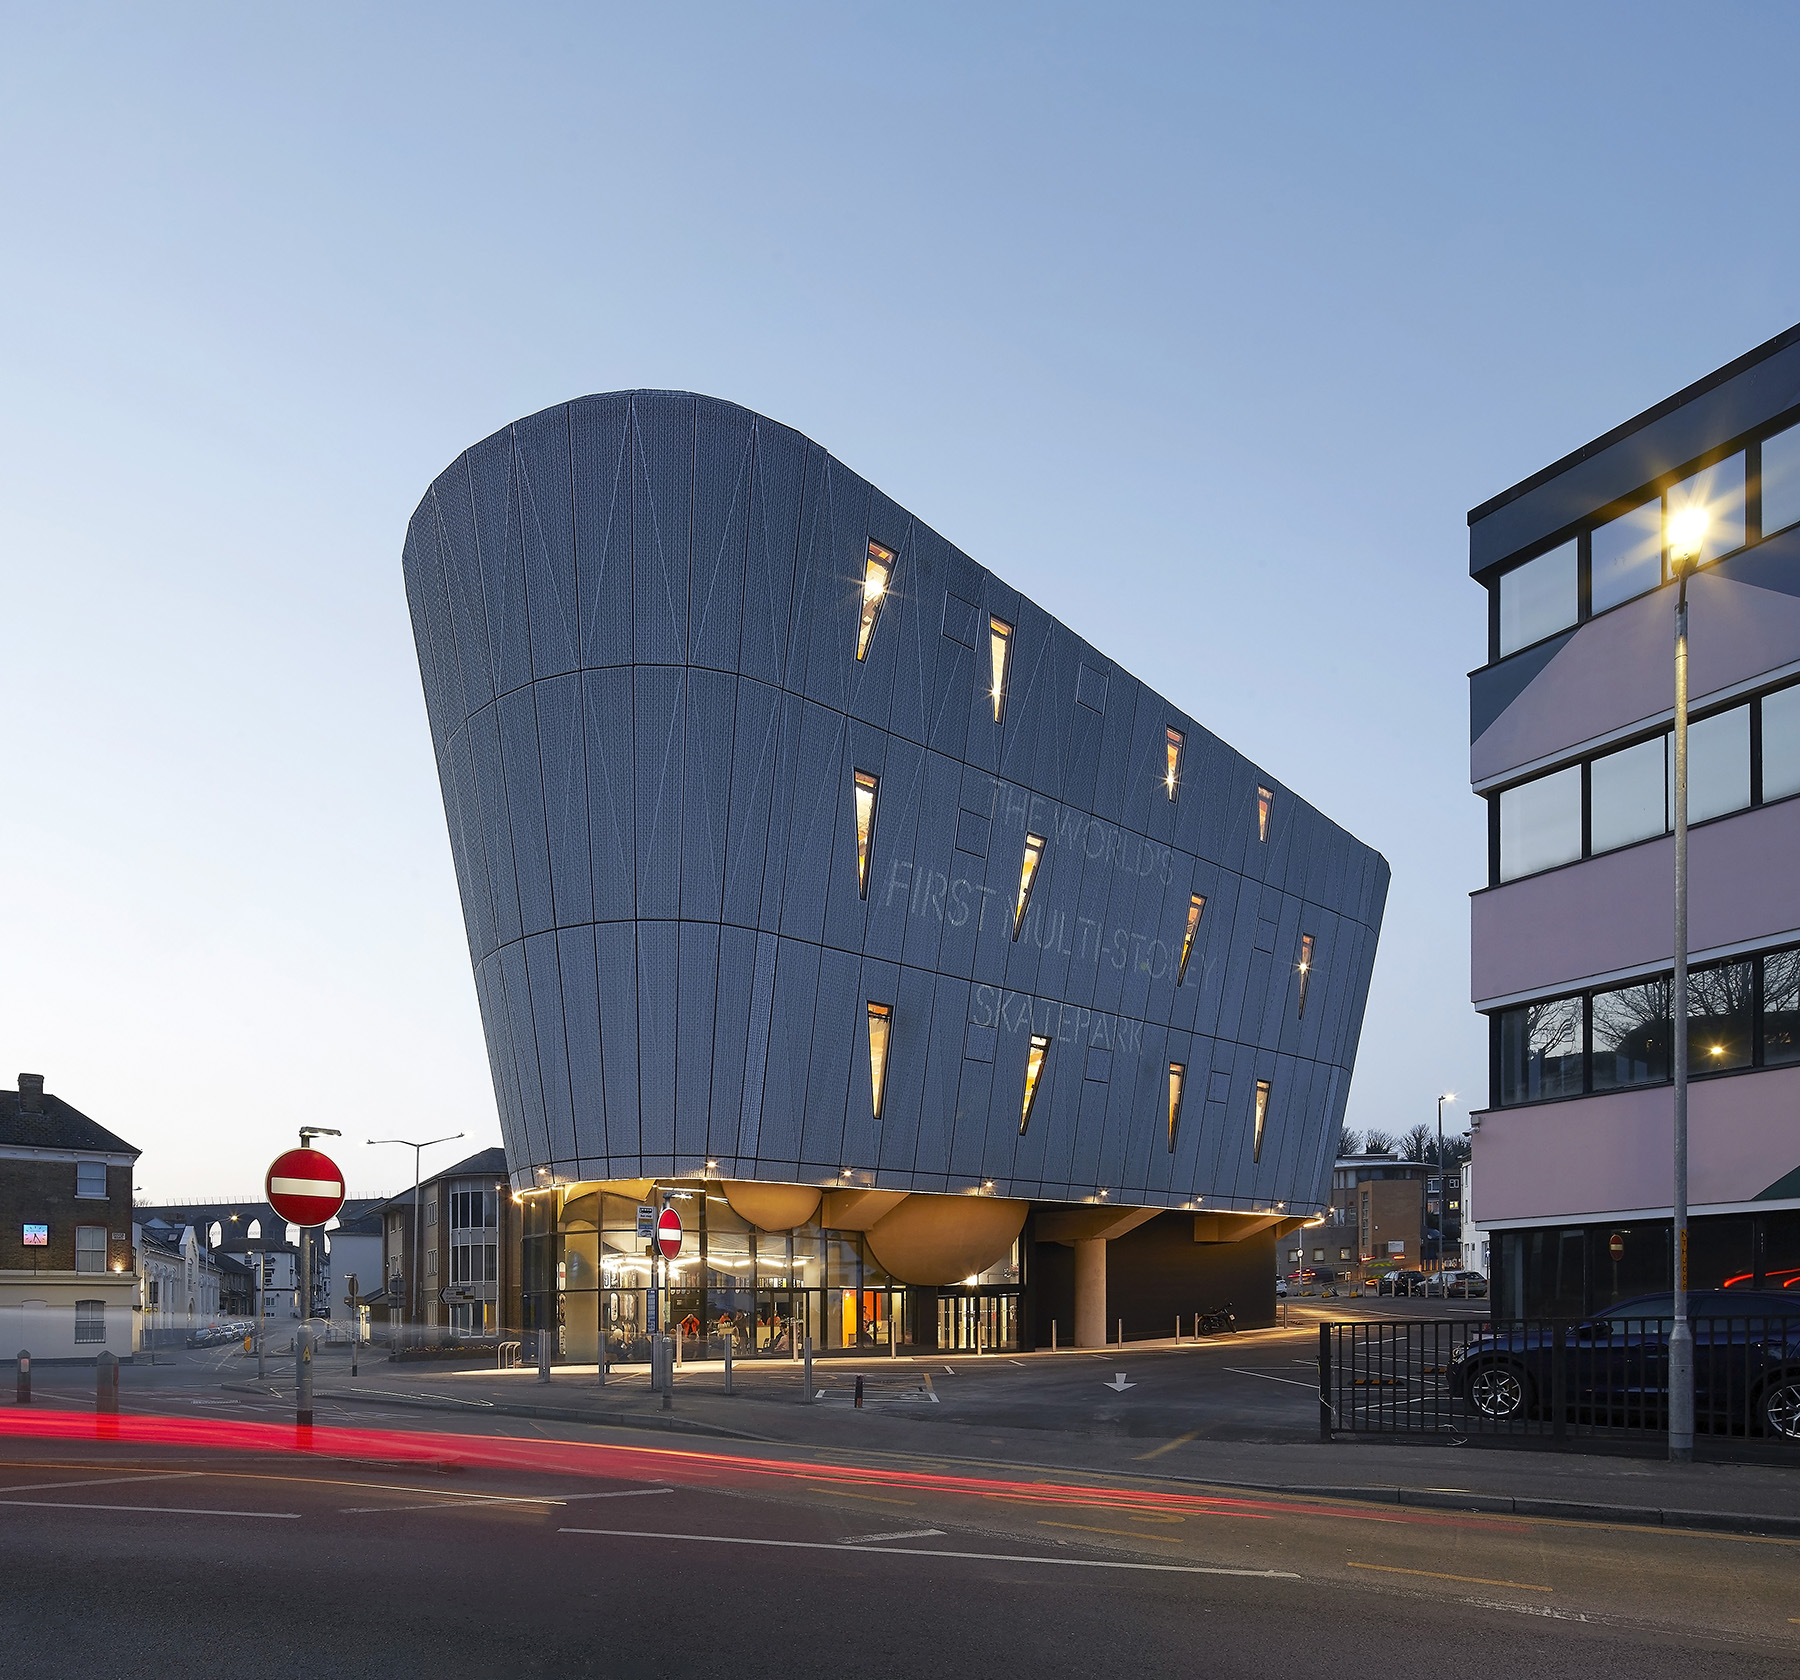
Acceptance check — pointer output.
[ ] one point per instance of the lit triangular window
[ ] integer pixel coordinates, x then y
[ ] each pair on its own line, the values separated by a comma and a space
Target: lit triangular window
881, 1021
1034, 1069
1177, 1078
866, 786
1265, 803
1305, 970
1262, 1115
1172, 777
999, 651
1034, 855
876, 571
1195, 905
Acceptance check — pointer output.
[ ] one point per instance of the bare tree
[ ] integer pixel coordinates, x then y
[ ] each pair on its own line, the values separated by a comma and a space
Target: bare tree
1349, 1143
1377, 1143
1419, 1144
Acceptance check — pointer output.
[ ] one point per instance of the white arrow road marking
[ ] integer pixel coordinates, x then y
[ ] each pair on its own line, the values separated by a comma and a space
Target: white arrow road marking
307, 1186
1119, 1384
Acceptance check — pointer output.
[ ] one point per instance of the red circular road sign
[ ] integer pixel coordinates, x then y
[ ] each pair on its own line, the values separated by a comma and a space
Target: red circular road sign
668, 1233
305, 1187
1616, 1245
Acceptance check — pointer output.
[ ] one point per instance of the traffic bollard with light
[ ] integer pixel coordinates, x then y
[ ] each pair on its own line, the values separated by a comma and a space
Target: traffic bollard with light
859, 1394
808, 1372
543, 1356
728, 1341
668, 1365
24, 1378
106, 1383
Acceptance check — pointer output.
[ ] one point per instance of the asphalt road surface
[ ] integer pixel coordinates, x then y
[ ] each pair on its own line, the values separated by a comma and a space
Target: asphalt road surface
184, 1544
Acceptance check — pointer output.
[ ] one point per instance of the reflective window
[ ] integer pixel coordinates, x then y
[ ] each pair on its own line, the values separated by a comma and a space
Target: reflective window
1538, 599
1781, 1008
876, 571
1542, 1051
1172, 776
866, 788
881, 1021
1719, 764
999, 652
1781, 481
90, 1321
1196, 905
1177, 1078
1265, 807
1721, 1009
1034, 855
1540, 824
90, 1248
1718, 491
1262, 1115
1305, 969
1626, 556
1034, 1069
1628, 795
1631, 1035
90, 1179
1781, 743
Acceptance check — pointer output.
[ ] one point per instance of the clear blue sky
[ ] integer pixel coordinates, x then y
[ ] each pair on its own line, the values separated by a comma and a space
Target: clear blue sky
1203, 325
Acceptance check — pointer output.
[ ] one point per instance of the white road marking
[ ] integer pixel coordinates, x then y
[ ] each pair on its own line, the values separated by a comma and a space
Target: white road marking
910, 1534
622, 1493
103, 1481
920, 1551
148, 1510
1267, 1378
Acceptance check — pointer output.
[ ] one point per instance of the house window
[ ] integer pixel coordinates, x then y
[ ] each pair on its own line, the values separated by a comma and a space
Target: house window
1306, 960
1265, 804
1262, 1115
1034, 1070
90, 1179
473, 1210
1196, 904
881, 1024
431, 1265
155, 1291
1177, 1078
877, 569
999, 653
866, 787
1034, 855
90, 1321
1172, 774
473, 1262
90, 1248
1343, 1254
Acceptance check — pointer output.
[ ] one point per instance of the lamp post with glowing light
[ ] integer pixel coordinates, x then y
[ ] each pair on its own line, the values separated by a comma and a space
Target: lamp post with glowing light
1687, 535
1443, 1183
415, 1284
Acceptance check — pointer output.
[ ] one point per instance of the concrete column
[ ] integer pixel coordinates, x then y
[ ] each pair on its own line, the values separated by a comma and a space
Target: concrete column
1090, 1292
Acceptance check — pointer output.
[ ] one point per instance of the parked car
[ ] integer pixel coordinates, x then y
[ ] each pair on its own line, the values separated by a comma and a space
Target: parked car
1281, 1287
1402, 1283
1616, 1364
1469, 1285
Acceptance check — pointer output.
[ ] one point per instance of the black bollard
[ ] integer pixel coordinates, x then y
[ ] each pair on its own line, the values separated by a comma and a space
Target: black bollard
859, 1393
106, 1383
24, 1378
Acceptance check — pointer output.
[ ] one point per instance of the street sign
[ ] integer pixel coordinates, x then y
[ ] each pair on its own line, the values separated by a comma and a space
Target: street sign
1616, 1245
668, 1233
646, 1222
304, 1187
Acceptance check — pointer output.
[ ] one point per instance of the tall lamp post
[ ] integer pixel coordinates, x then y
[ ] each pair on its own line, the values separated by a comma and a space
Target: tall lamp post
418, 1149
1687, 536
1443, 1183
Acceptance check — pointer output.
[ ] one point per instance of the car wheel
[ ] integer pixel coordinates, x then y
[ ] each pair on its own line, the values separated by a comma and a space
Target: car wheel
1499, 1391
1780, 1406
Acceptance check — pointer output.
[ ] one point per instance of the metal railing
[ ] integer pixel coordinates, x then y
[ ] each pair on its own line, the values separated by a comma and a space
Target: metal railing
1560, 1382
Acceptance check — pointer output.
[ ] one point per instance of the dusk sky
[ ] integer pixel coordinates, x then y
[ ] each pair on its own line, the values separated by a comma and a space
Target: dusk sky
1203, 326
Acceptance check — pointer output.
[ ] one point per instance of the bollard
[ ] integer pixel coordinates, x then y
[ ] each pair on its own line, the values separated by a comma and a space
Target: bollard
600, 1363
1053, 1335
24, 1378
1178, 1329
808, 1373
106, 1383
1121, 1332
303, 1375
859, 1393
728, 1342
543, 1356
668, 1365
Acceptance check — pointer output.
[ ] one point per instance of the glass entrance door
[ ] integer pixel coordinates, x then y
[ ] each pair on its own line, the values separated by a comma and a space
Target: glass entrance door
979, 1321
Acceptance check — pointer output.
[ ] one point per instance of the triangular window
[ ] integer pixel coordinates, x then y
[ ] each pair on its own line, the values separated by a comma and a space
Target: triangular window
866, 789
1034, 1071
999, 655
881, 1022
1265, 804
1305, 970
1172, 777
1262, 1115
1177, 1078
1034, 855
1196, 904
877, 570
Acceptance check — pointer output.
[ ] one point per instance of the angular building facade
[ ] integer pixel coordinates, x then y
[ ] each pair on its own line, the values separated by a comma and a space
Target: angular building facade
1573, 935
819, 881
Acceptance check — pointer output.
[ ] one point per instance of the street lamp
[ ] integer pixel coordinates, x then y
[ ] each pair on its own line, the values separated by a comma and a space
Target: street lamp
1687, 535
418, 1149
1443, 1183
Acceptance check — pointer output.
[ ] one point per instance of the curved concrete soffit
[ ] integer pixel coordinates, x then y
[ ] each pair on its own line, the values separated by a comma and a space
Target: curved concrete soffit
944, 1239
772, 1207
858, 1210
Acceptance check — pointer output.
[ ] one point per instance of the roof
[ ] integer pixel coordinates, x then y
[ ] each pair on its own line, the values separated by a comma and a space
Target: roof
56, 1124
485, 1163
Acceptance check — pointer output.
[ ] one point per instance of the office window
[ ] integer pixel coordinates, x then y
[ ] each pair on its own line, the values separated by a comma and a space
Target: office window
1626, 556
90, 1248
1177, 1078
1538, 599
1542, 1051
1172, 775
1781, 1008
866, 789
473, 1210
999, 653
1305, 971
877, 569
1721, 1012
1628, 795
1631, 1035
1028, 868
1034, 1071
1262, 1115
1781, 481
90, 1179
1719, 491
1540, 824
1196, 905
1718, 764
1343, 1254
90, 1321
474, 1263
1781, 742
881, 1022
1265, 807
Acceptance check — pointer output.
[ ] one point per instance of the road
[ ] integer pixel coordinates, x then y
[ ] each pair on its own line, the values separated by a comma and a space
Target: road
182, 1543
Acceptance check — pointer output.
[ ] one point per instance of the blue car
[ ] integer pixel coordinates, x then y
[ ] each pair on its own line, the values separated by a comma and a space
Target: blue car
1616, 1365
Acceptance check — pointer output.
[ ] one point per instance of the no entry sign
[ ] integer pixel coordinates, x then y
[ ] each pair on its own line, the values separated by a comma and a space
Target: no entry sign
668, 1233
305, 1187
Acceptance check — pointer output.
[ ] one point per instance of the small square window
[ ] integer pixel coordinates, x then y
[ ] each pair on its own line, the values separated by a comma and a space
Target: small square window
90, 1179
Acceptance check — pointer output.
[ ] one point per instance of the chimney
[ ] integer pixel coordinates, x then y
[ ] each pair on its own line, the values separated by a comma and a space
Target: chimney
31, 1093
